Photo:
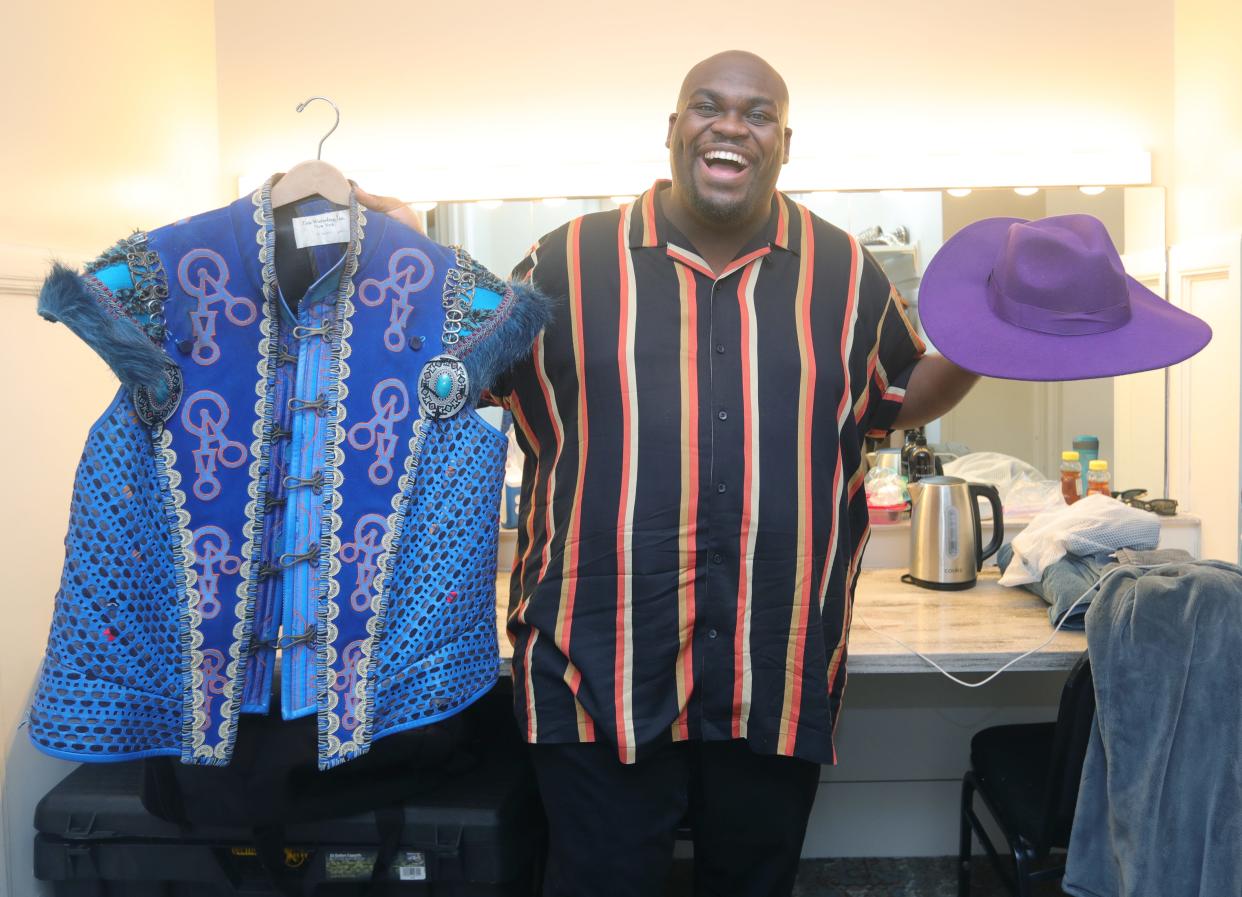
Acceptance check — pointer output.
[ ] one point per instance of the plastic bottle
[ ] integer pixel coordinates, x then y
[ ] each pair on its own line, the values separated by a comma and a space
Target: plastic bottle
1071, 477
1088, 448
906, 449
922, 459
1098, 479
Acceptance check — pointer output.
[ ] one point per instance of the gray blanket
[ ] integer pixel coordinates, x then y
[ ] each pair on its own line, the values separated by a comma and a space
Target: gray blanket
1160, 805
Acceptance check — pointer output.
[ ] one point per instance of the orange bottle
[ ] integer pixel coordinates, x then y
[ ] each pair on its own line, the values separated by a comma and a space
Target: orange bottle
1098, 479
1071, 477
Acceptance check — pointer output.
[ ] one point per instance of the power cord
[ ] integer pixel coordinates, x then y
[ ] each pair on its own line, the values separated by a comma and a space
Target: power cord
1065, 616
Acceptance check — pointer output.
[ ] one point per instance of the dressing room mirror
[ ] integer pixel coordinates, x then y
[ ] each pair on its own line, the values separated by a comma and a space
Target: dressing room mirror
904, 229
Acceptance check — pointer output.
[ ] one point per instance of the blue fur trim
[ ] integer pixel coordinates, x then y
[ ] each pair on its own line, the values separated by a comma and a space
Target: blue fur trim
518, 322
136, 360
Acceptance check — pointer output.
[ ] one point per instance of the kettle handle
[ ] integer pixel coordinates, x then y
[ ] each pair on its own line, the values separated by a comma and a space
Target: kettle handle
998, 522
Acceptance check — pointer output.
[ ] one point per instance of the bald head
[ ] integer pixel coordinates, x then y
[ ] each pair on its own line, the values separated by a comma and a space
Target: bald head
736, 65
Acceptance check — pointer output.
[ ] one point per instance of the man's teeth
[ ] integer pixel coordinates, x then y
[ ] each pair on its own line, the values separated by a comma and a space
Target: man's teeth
721, 155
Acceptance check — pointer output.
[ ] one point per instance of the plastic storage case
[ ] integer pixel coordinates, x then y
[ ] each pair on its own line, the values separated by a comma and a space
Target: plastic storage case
477, 835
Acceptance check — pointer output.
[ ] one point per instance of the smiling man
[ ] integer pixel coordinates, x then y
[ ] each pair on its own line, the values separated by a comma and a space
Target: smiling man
692, 507
692, 510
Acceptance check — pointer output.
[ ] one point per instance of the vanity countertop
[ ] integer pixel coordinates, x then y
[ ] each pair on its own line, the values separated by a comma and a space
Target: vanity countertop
971, 631
975, 630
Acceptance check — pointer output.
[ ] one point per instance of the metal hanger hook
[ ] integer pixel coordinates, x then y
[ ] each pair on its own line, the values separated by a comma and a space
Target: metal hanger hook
305, 103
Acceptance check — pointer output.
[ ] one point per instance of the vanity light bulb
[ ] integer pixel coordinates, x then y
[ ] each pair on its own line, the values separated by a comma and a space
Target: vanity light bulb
959, 192
1026, 191
1095, 190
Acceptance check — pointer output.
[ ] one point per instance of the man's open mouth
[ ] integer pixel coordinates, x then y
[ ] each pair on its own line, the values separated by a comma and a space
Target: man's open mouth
724, 164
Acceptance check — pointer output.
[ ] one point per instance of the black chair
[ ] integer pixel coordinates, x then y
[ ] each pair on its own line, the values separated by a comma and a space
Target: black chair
1027, 776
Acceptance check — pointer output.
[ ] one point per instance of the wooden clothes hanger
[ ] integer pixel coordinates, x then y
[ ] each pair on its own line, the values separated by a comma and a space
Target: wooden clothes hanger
314, 176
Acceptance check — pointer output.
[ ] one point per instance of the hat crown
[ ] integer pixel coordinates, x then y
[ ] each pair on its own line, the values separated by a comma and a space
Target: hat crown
1060, 275
1064, 265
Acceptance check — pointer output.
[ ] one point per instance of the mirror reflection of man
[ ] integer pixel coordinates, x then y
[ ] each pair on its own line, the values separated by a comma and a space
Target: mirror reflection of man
692, 506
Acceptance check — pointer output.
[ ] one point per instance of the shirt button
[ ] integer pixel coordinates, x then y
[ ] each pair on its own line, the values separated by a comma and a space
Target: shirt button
716, 557
722, 414
711, 633
721, 487
719, 348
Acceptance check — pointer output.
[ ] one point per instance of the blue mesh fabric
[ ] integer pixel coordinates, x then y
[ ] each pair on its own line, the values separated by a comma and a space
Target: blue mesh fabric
110, 684
439, 646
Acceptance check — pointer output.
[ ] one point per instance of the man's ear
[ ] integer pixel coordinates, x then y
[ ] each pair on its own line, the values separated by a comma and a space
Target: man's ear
788, 138
668, 138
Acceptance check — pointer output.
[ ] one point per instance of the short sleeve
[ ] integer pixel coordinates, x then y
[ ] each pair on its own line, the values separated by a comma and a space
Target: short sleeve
893, 348
524, 271
499, 326
116, 306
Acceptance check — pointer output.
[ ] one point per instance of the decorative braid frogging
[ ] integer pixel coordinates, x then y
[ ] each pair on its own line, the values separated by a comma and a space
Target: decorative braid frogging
336, 387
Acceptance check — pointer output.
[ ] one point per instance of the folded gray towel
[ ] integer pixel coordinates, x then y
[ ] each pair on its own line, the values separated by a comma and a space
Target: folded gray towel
1160, 804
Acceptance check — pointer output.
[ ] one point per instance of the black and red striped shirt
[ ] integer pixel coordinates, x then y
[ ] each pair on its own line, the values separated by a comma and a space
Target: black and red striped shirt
692, 512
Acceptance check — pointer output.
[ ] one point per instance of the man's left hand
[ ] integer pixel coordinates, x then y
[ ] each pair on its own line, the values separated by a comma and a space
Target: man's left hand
393, 207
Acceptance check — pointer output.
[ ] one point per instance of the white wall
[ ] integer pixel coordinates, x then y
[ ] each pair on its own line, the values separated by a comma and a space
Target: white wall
110, 118
1207, 170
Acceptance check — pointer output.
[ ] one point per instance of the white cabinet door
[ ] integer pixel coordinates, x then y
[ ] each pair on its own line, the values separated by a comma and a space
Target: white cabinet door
1205, 401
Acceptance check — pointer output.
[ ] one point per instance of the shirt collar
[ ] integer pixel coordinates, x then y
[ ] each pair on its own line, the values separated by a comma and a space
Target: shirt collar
650, 228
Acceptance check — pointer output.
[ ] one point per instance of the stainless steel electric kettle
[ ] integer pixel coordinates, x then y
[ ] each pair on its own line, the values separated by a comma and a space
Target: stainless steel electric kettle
946, 540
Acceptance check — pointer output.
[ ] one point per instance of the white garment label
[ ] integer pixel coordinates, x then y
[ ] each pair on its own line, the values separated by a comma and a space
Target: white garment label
319, 230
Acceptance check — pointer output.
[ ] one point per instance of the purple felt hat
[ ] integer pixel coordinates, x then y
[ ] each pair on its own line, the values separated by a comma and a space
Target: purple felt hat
1048, 300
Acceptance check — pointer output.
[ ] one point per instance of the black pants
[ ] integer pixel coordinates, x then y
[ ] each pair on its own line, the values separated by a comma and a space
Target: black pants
612, 826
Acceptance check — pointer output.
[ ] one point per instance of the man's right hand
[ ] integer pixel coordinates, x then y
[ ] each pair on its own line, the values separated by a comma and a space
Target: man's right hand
393, 207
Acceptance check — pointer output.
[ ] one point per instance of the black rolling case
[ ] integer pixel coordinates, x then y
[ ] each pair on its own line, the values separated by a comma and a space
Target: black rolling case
476, 833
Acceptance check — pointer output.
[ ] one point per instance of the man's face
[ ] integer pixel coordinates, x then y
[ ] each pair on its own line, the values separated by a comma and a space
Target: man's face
728, 140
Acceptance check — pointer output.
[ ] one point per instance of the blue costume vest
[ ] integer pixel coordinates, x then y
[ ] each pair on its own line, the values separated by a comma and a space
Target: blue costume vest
306, 477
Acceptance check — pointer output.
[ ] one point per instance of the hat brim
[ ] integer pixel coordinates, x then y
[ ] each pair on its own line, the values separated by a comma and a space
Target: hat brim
954, 310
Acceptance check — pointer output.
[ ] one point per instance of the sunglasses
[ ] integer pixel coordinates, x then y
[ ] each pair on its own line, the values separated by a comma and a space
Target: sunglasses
1165, 507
